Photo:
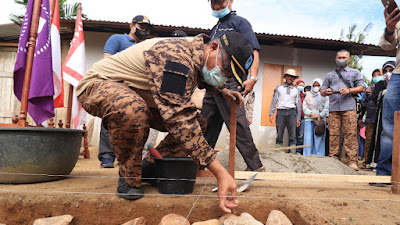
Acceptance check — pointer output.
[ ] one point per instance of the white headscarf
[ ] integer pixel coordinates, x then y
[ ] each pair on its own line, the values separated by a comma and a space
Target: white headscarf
314, 99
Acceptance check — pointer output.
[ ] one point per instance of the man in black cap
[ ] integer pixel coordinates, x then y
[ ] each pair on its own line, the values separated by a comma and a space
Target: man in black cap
140, 30
216, 109
150, 85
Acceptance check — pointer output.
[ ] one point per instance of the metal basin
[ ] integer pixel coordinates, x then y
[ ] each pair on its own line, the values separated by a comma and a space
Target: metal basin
35, 151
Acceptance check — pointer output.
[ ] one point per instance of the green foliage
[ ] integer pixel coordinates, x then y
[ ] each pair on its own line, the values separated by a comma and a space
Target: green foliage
353, 36
67, 11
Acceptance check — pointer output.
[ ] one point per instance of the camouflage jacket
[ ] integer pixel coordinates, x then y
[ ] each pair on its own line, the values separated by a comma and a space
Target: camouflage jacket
174, 66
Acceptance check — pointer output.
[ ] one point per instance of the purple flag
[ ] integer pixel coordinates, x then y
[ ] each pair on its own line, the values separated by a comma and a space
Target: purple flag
41, 104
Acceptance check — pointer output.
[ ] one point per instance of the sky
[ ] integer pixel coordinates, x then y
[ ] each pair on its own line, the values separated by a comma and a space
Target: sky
308, 18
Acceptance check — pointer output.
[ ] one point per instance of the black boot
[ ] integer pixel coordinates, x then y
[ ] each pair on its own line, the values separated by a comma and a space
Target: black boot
149, 171
127, 192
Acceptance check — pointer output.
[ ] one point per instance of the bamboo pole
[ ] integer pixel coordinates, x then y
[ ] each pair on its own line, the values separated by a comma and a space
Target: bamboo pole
396, 155
29, 61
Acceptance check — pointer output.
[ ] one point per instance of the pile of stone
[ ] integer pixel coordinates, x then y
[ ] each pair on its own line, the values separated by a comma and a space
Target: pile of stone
275, 218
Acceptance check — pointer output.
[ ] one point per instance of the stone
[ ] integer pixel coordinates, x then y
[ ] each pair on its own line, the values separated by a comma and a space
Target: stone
243, 219
224, 217
173, 219
138, 221
277, 217
208, 222
56, 220
250, 217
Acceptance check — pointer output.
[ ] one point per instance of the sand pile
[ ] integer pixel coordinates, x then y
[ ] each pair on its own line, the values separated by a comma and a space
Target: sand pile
280, 162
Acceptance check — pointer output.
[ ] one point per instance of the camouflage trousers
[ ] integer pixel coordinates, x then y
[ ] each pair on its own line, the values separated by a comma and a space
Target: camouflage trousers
347, 119
369, 131
128, 119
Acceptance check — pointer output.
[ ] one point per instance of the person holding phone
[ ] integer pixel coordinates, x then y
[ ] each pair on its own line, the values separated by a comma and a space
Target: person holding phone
342, 107
391, 101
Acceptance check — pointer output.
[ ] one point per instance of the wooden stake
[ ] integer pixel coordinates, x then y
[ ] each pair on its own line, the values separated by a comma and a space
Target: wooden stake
69, 107
232, 141
396, 155
29, 62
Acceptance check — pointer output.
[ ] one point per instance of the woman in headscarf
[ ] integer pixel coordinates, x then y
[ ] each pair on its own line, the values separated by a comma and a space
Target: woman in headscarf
315, 108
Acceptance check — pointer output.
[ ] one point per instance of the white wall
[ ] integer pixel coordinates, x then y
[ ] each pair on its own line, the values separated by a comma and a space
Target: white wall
314, 64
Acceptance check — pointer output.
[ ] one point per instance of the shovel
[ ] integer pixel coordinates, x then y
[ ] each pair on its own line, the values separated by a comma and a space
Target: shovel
246, 184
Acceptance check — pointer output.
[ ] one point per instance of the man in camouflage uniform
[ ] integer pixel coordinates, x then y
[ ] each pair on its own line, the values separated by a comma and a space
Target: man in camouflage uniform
150, 85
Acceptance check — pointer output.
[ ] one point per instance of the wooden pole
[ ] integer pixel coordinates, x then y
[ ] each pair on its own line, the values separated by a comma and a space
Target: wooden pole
232, 141
396, 155
29, 61
69, 107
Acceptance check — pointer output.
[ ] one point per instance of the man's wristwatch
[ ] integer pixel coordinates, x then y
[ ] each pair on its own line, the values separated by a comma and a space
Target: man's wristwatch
253, 78
388, 34
223, 87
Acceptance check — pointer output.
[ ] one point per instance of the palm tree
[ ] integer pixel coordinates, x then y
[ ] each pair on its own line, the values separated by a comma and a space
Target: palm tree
67, 11
359, 38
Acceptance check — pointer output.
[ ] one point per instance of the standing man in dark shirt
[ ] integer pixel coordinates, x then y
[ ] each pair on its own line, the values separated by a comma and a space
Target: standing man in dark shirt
215, 108
140, 30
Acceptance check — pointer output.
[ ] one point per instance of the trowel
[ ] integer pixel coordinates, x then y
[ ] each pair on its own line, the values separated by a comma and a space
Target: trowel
243, 186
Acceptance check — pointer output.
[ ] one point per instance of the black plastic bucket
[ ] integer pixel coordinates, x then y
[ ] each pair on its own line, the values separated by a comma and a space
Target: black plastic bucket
171, 170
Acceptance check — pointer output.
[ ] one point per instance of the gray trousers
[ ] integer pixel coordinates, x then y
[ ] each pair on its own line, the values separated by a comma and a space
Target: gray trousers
216, 111
105, 148
286, 118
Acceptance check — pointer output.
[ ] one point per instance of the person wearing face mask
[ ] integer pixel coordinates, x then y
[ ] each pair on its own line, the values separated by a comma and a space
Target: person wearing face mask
340, 85
369, 108
215, 108
315, 107
300, 130
149, 85
287, 101
140, 29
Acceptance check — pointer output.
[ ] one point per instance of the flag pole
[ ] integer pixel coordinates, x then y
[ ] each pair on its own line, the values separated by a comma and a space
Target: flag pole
29, 61
71, 88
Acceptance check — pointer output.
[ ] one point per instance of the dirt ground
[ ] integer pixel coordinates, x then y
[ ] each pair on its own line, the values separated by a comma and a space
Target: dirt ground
89, 196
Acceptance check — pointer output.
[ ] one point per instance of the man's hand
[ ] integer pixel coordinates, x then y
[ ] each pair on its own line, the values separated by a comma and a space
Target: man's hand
298, 123
227, 188
314, 116
391, 20
271, 118
233, 95
328, 92
248, 86
250, 120
344, 91
360, 123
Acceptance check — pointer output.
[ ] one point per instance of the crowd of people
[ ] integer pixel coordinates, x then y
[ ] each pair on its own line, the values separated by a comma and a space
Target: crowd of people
143, 84
333, 113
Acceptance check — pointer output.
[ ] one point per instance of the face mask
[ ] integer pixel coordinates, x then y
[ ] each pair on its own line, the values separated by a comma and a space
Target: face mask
377, 79
315, 89
301, 89
221, 13
213, 77
342, 63
141, 35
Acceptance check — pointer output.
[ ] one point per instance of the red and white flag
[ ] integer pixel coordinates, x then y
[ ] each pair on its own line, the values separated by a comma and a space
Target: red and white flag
74, 69
56, 57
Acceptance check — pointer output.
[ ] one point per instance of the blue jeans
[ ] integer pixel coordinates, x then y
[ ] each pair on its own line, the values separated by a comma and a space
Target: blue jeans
300, 136
391, 103
317, 143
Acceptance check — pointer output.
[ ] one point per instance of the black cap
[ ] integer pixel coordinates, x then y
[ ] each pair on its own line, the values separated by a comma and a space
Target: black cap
240, 53
142, 20
179, 33
308, 87
389, 63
